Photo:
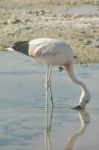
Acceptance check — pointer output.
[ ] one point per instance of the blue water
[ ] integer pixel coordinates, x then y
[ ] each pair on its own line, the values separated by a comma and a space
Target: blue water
82, 10
15, 10
22, 102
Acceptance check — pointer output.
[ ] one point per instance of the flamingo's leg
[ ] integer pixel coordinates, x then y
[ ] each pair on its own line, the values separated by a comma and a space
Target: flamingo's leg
48, 85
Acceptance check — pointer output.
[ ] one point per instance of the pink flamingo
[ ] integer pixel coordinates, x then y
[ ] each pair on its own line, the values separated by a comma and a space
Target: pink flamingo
54, 52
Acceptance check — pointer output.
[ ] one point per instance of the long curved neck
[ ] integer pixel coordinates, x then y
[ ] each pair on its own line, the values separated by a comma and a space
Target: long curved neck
75, 80
85, 94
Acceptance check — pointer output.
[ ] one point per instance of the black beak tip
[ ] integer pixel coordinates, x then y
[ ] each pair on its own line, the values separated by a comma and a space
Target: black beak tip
77, 107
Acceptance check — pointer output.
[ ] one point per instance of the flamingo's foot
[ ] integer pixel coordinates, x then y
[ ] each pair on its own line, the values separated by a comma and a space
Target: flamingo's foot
77, 107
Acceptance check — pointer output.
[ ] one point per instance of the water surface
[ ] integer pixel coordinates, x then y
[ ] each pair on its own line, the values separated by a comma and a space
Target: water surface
82, 10
15, 10
24, 125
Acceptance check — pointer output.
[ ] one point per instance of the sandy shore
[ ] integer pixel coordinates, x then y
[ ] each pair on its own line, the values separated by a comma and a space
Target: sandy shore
21, 20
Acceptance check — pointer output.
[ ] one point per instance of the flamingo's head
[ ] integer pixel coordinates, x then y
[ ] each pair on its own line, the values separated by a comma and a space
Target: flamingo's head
84, 99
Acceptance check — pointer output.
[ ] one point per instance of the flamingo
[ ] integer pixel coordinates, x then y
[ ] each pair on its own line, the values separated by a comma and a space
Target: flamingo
55, 52
85, 120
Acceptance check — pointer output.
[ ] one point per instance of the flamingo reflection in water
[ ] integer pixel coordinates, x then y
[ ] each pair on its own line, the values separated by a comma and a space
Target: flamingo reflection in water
49, 116
84, 119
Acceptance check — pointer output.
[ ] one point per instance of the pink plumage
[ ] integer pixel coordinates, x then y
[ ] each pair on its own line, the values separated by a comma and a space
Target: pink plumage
54, 52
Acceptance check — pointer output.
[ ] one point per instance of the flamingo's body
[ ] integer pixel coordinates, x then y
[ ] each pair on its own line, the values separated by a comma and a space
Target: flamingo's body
50, 51
56, 52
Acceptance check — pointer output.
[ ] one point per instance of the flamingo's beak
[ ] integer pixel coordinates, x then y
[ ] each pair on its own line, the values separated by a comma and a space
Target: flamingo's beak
77, 107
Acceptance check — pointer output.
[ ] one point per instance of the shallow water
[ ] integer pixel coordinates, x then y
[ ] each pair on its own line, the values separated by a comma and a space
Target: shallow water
24, 125
94, 42
15, 10
83, 10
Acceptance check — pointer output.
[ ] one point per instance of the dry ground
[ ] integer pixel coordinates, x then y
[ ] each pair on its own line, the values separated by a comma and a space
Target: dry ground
26, 19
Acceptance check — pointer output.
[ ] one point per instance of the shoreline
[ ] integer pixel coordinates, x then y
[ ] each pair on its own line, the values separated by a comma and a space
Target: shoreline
22, 21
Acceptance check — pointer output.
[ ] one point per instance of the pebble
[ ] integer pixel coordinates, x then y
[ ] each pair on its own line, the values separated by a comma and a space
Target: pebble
13, 21
87, 42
